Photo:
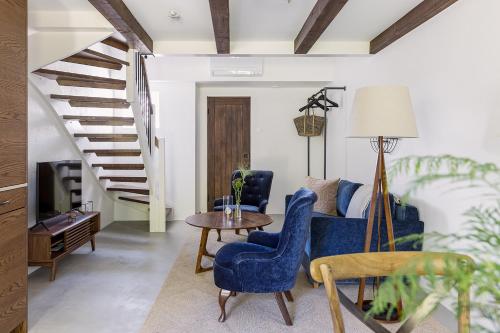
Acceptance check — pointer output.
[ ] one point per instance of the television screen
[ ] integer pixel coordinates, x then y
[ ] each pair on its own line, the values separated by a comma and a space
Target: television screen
59, 188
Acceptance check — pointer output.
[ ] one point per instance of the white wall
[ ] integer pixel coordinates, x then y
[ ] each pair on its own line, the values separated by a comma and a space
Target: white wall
274, 143
47, 141
176, 112
451, 65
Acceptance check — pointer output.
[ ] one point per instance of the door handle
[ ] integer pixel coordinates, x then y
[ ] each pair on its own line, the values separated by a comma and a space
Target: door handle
245, 156
3, 203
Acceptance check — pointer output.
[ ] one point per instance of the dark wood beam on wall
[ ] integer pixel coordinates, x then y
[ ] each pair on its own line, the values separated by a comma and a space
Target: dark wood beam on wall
118, 14
220, 20
319, 19
415, 17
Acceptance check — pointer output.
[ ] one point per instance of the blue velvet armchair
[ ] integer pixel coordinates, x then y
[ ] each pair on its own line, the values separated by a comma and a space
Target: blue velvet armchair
254, 195
267, 262
255, 192
334, 235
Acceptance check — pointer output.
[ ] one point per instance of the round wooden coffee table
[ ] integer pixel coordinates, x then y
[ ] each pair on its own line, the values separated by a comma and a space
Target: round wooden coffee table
218, 221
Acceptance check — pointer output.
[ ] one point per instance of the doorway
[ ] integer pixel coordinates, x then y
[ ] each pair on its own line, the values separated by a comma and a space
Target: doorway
228, 142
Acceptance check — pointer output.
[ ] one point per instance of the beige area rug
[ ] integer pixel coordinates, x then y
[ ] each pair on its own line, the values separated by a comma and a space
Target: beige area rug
188, 302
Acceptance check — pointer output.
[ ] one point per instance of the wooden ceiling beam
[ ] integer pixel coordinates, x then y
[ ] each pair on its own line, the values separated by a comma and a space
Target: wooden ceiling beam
415, 17
220, 21
118, 14
322, 14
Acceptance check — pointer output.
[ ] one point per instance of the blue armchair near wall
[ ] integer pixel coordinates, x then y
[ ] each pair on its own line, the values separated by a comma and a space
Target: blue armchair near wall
267, 262
334, 235
254, 195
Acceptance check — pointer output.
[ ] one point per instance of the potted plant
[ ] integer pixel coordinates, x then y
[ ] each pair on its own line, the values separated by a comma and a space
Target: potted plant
478, 238
238, 184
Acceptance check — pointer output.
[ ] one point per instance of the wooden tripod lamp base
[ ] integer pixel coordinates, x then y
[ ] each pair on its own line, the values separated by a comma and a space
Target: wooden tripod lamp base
379, 201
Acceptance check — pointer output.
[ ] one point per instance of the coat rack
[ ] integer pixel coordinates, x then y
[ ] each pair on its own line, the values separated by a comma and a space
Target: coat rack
320, 100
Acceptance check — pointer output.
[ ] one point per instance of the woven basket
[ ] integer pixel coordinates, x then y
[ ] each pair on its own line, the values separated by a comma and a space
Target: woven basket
309, 125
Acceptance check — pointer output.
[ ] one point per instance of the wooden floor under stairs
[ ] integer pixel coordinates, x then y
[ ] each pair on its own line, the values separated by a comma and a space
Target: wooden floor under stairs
93, 102
81, 80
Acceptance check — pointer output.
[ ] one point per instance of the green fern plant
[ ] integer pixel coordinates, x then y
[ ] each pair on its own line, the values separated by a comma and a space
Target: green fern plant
479, 238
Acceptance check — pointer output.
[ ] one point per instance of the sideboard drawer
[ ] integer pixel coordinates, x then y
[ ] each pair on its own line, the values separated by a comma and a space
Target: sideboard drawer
13, 269
12, 200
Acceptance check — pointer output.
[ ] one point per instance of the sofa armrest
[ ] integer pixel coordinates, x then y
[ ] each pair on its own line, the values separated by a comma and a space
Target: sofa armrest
263, 206
288, 198
340, 235
406, 213
264, 238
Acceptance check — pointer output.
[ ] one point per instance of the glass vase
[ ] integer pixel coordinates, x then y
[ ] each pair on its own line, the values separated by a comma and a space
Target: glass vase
237, 212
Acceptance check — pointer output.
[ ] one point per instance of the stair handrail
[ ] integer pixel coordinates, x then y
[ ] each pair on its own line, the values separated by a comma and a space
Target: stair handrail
139, 97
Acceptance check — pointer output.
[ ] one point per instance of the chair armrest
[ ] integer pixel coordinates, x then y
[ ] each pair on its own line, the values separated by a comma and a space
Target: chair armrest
263, 206
288, 198
264, 238
218, 202
407, 213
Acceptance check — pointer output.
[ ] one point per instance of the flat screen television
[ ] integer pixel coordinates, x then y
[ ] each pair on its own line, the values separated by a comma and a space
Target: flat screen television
58, 188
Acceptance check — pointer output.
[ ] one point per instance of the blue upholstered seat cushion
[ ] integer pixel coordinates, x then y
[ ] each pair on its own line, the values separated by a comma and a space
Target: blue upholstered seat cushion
345, 192
225, 256
244, 208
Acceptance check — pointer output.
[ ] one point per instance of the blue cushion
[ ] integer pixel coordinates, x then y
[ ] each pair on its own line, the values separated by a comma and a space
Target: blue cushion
226, 254
345, 192
244, 208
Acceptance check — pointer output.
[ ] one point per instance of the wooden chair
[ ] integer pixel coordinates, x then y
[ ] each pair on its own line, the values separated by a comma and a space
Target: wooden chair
363, 265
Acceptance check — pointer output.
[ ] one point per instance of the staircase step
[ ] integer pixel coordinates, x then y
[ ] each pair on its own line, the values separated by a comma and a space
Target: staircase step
101, 121
124, 179
119, 166
137, 199
136, 190
93, 102
102, 56
116, 43
83, 59
81, 80
113, 152
107, 137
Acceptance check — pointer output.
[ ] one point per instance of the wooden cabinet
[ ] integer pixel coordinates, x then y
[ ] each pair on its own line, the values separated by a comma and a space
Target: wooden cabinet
13, 223
13, 269
13, 96
47, 247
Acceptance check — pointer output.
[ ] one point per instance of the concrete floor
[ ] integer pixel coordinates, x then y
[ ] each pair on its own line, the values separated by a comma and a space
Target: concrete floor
111, 289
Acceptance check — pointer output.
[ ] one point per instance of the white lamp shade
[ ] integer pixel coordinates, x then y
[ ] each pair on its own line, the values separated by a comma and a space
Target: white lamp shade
383, 111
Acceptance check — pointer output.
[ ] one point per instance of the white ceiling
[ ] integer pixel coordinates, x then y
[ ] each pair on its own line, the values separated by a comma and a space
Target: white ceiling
251, 20
266, 20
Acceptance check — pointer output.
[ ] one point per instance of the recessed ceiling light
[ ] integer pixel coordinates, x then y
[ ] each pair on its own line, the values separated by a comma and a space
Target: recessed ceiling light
173, 14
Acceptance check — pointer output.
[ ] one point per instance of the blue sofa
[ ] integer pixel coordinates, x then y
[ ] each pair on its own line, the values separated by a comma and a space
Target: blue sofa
334, 235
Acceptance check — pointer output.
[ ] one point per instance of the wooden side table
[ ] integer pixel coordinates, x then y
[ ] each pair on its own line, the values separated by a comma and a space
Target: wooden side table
218, 221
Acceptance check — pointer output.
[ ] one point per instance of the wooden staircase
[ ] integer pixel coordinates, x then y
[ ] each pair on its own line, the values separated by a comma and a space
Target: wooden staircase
99, 117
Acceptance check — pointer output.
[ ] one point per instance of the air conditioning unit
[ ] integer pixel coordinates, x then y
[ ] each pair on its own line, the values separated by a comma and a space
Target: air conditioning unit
236, 66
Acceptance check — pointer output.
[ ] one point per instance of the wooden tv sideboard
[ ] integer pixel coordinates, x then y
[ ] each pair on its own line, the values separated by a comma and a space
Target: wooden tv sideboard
47, 247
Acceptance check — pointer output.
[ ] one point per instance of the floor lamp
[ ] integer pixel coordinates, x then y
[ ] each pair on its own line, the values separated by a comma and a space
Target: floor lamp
384, 114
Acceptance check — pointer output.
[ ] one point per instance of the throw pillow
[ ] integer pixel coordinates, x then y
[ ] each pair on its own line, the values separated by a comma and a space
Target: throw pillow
359, 202
326, 190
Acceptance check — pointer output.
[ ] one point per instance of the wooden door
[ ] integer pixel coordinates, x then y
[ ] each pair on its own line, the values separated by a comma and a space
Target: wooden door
13, 92
228, 142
